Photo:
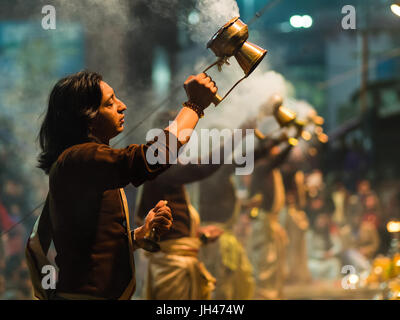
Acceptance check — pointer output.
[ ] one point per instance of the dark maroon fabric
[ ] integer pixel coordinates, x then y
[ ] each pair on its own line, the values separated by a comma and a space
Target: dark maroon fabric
170, 186
87, 215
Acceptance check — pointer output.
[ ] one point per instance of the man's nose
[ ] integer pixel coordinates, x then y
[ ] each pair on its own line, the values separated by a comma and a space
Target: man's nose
121, 107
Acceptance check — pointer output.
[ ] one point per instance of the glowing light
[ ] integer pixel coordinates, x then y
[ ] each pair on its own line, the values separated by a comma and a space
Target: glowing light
319, 120
323, 138
194, 17
393, 226
398, 263
296, 21
353, 279
307, 21
395, 9
306, 135
301, 21
378, 270
318, 130
254, 212
293, 141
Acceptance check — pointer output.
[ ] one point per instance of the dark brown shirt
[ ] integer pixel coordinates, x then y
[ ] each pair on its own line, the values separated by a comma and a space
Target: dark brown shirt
262, 179
87, 215
218, 196
170, 186
217, 192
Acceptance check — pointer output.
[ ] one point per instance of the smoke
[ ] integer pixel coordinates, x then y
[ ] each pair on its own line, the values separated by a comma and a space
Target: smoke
105, 26
301, 107
250, 97
245, 100
89, 34
163, 8
212, 16
96, 15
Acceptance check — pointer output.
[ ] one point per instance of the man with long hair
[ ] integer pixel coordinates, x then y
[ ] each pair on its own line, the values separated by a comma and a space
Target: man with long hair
85, 214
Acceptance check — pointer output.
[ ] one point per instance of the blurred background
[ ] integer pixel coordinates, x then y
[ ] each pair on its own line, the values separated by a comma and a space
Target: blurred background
145, 49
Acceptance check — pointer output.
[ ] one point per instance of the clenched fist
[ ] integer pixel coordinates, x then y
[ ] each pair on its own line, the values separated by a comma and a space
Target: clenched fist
200, 90
159, 218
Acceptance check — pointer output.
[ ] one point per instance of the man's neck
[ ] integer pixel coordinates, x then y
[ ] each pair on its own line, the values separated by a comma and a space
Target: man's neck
101, 139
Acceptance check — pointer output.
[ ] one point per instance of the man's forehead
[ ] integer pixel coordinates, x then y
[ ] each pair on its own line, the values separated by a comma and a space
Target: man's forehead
106, 89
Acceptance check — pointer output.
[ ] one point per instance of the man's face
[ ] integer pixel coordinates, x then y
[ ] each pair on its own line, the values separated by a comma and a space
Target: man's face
109, 121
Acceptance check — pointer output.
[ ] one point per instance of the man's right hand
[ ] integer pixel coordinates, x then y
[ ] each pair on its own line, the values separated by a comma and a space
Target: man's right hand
159, 218
200, 90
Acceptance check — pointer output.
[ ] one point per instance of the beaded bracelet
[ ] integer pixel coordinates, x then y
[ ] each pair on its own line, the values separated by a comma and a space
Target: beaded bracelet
195, 108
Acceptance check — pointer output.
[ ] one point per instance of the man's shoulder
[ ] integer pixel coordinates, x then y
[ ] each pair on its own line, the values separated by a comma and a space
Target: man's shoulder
81, 149
85, 145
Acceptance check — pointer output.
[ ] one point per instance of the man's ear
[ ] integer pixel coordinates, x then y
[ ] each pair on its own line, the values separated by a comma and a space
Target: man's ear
92, 123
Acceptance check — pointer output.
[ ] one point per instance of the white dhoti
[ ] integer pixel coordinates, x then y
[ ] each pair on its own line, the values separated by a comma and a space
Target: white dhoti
175, 272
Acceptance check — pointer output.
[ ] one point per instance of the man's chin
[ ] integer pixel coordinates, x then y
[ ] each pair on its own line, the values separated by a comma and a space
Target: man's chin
118, 131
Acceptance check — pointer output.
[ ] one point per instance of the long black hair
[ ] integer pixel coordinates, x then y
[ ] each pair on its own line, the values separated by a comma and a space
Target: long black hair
73, 103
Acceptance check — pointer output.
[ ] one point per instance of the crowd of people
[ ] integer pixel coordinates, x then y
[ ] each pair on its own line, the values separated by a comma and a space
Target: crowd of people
324, 229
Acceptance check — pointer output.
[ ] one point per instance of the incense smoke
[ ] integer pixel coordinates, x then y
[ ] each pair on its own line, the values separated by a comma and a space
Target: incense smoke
212, 16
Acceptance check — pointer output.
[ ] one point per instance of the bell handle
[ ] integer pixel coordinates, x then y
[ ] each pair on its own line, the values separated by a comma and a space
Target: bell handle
210, 66
259, 134
217, 99
219, 62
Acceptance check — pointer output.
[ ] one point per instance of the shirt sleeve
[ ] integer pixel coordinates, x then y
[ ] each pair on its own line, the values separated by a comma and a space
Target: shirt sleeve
109, 168
187, 173
202, 168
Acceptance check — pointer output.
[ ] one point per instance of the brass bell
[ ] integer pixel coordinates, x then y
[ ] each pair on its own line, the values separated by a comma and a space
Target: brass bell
315, 118
323, 138
318, 120
306, 135
259, 134
284, 116
231, 40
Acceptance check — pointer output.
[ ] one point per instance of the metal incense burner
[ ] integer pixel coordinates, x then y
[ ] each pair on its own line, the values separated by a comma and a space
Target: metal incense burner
283, 116
231, 40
